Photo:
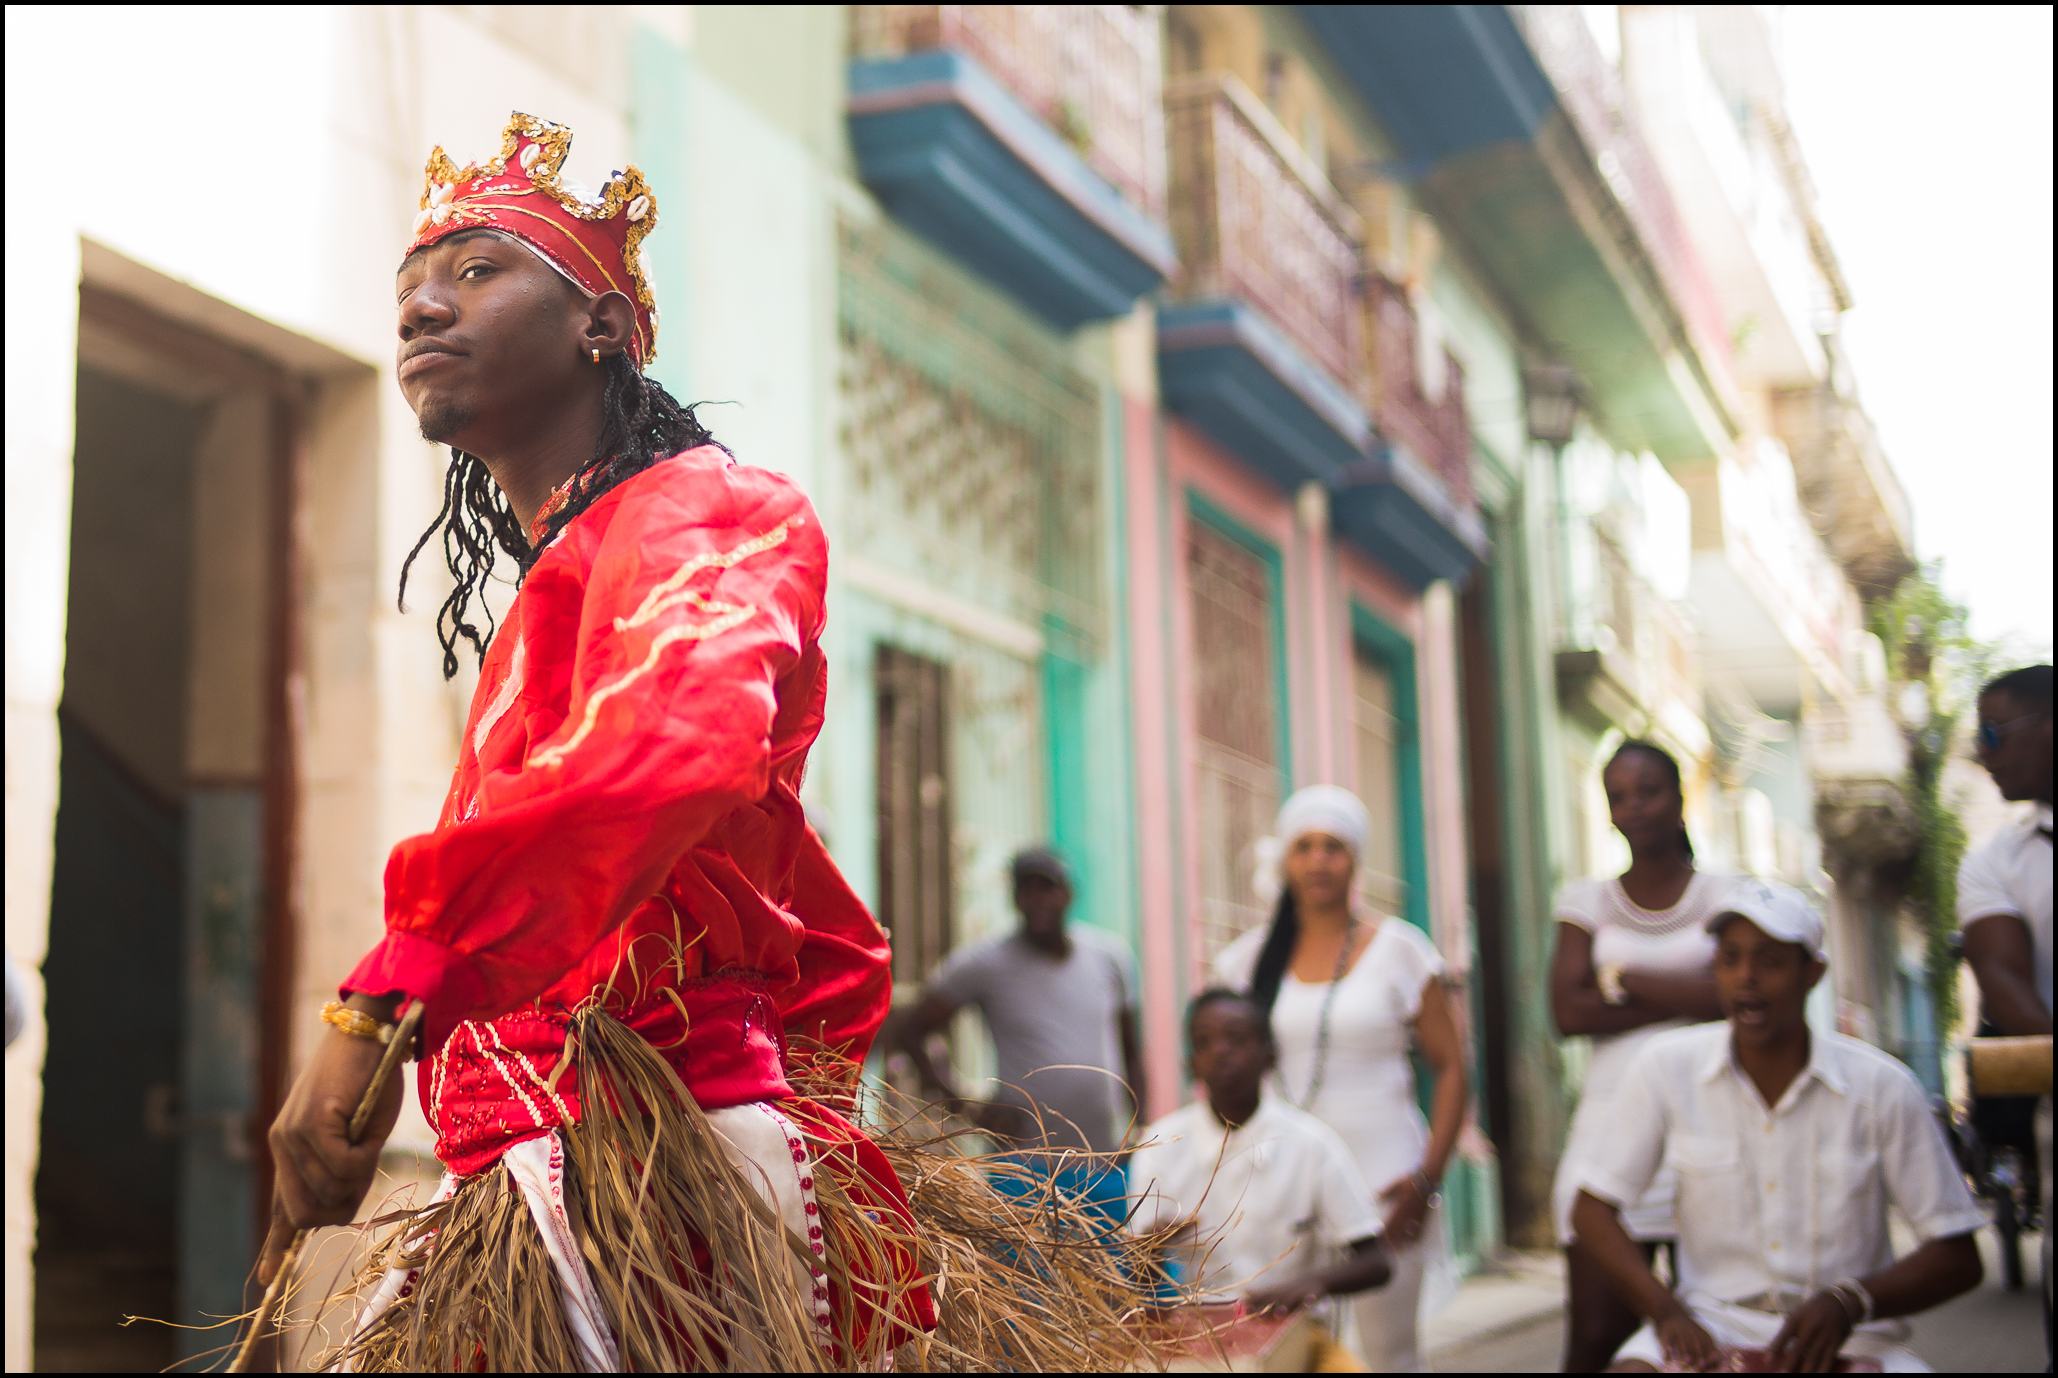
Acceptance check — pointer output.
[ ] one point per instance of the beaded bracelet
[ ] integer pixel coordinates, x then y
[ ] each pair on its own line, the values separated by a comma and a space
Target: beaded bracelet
356, 1023
1857, 1290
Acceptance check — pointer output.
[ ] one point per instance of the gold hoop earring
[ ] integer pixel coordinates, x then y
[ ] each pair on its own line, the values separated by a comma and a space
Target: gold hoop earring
596, 356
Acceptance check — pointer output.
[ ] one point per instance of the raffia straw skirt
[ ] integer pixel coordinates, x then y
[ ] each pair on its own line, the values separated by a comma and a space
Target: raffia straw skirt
656, 1236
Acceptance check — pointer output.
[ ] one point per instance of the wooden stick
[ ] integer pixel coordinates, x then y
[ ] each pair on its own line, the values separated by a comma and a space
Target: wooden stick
396, 1052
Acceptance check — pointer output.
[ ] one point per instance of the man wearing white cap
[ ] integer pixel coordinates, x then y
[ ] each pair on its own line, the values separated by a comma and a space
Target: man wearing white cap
1790, 1146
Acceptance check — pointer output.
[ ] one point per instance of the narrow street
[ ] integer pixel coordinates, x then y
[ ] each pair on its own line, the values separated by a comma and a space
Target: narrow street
1519, 1327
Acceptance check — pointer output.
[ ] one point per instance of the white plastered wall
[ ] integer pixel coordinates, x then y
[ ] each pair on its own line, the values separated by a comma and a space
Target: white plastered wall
257, 188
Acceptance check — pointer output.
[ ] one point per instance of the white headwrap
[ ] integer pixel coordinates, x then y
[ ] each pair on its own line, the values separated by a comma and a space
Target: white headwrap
1327, 809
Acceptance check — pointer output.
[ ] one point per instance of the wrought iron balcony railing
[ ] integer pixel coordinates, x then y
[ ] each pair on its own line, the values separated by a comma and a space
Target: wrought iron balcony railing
1433, 429
1254, 221
1091, 72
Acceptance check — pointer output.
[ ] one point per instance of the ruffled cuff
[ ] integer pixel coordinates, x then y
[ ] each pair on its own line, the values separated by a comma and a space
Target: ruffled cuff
442, 979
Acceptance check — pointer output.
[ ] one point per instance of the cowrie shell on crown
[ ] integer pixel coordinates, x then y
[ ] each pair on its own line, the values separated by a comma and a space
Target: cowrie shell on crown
421, 222
441, 193
639, 208
439, 214
531, 155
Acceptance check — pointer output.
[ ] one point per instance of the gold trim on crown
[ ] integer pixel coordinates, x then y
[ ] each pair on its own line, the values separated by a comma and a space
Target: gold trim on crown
618, 195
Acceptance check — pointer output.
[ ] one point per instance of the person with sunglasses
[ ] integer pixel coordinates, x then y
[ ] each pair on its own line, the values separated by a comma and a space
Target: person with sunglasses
2004, 887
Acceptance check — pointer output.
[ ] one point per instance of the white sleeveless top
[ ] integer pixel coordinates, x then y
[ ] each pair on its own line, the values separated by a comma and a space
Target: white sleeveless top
1674, 941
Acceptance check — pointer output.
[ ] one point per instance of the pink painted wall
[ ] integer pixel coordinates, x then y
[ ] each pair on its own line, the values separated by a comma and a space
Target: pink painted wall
1322, 580
1153, 669
1382, 595
1196, 465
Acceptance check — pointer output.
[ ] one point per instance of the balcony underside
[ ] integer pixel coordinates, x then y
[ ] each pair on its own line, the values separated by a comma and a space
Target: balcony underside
1392, 507
1232, 373
1600, 686
1485, 142
1447, 78
954, 156
1750, 630
1224, 367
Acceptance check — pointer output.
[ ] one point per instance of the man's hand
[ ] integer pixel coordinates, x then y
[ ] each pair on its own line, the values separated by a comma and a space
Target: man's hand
1407, 1206
1293, 1294
1685, 1344
320, 1176
1812, 1335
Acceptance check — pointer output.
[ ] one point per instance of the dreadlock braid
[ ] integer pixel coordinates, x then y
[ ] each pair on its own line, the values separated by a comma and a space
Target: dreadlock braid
640, 424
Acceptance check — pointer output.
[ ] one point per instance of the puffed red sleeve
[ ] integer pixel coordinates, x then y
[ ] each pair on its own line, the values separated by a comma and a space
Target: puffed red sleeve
701, 595
846, 966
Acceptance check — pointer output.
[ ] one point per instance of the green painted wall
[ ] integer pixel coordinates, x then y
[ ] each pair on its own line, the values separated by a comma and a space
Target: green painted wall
1086, 691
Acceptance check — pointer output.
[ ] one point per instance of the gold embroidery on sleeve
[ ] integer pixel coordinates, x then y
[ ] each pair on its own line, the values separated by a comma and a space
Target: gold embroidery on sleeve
657, 599
668, 637
671, 594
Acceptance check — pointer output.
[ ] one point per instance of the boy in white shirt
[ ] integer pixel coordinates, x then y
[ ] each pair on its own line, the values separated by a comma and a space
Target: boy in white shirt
1790, 1145
1276, 1213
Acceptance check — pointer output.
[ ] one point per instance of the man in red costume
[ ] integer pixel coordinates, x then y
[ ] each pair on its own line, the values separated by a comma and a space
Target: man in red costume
621, 914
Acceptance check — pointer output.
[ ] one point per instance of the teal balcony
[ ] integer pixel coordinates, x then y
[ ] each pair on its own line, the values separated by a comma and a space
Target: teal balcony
1278, 346
1411, 502
1027, 141
1503, 117
1259, 344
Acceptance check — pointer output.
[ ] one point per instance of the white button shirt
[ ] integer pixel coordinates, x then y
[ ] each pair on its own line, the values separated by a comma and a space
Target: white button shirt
1277, 1194
2011, 874
1788, 1198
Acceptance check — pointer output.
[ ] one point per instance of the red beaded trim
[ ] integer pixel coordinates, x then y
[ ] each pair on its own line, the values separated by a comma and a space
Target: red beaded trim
818, 1276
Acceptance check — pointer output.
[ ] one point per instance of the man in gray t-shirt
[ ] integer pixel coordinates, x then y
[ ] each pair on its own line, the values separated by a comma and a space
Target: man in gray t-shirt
1061, 1006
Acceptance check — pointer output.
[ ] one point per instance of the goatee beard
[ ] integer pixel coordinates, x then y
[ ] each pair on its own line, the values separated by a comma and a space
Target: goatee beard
441, 421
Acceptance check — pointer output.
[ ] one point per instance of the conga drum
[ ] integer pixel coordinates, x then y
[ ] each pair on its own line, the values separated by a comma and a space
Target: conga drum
2010, 1066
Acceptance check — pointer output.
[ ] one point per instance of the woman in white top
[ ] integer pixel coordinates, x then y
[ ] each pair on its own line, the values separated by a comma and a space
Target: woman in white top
1348, 993
1633, 958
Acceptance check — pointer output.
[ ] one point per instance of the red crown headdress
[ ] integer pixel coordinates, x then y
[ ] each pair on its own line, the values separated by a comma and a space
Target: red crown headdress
521, 192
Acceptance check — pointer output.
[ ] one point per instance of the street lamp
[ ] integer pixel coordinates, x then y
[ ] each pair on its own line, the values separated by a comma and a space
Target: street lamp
1551, 395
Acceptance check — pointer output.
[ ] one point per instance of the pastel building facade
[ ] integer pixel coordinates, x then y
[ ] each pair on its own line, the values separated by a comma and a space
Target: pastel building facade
1202, 402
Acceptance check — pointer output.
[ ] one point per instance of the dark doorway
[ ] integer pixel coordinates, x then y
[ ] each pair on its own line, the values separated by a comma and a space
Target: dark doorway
1486, 791
169, 875
107, 1186
914, 804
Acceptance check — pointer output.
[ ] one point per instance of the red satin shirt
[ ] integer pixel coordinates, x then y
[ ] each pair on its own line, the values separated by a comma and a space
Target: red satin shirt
626, 813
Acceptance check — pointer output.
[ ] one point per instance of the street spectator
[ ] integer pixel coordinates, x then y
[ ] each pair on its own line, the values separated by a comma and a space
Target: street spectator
1348, 993
2004, 888
1270, 1207
1790, 1146
1060, 1003
1633, 959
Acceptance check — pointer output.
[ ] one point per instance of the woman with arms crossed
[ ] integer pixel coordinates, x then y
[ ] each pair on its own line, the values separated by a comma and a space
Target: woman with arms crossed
1633, 958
